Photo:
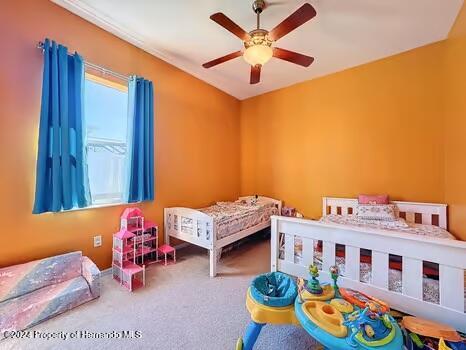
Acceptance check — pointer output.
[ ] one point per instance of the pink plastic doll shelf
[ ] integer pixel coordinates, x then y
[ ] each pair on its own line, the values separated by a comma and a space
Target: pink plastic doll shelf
134, 247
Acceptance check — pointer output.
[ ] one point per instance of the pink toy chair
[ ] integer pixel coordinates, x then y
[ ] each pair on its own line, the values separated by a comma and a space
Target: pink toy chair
166, 250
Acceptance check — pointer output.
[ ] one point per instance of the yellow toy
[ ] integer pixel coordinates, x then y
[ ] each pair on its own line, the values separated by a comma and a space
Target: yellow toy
327, 293
325, 316
443, 346
342, 305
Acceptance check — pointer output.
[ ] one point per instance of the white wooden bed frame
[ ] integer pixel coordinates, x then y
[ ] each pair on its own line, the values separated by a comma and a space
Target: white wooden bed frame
450, 255
203, 234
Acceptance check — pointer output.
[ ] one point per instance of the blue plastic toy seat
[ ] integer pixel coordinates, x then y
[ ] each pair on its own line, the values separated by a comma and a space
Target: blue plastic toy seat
274, 289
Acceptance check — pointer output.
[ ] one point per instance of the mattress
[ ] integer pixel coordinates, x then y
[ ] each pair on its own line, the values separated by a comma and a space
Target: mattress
232, 217
390, 226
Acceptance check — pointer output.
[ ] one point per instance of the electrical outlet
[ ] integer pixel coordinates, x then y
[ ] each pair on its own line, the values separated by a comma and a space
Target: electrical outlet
97, 241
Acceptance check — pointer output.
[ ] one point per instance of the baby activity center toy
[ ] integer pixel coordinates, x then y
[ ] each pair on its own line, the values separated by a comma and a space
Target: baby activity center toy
339, 319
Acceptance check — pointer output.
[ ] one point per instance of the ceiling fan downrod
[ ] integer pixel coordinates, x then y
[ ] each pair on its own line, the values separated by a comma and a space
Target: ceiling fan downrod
258, 6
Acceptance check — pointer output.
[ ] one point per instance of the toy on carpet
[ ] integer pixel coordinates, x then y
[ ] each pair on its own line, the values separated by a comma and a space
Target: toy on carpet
421, 334
334, 322
338, 324
269, 299
134, 246
167, 250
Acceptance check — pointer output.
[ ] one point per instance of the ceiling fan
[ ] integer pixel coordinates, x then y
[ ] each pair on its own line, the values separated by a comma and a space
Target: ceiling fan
258, 43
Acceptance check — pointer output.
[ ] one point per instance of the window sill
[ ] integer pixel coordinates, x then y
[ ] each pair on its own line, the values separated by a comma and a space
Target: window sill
96, 206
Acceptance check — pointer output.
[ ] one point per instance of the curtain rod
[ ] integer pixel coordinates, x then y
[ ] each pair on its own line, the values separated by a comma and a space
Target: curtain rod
94, 66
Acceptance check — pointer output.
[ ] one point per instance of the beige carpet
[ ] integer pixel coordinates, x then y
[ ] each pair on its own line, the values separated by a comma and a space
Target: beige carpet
180, 308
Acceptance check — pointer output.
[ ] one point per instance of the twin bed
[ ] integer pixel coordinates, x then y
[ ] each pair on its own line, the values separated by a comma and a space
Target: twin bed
418, 268
221, 224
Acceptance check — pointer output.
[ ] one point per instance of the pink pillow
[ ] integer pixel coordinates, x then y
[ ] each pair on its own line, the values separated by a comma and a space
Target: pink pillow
376, 199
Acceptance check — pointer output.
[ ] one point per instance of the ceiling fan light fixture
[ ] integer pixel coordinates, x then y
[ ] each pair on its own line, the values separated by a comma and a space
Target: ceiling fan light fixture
258, 54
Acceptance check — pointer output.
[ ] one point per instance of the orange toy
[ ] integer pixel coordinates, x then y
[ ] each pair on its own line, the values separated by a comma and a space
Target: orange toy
432, 329
362, 300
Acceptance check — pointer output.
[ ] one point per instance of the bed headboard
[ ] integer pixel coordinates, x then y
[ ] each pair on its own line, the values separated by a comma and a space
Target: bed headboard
421, 213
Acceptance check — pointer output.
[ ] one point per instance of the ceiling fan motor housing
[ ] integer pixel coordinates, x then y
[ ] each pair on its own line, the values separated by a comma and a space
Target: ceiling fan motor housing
258, 6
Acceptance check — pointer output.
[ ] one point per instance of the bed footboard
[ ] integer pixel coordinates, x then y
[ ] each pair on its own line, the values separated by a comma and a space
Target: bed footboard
450, 255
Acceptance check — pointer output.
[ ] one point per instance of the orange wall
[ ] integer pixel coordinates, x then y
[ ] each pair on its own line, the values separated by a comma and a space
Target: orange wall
455, 126
376, 128
196, 126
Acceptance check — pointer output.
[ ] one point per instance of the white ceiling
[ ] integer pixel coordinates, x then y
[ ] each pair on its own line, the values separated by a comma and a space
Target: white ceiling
344, 34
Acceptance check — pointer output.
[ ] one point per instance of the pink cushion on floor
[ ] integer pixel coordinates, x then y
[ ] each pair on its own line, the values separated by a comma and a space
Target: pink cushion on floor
21, 279
27, 310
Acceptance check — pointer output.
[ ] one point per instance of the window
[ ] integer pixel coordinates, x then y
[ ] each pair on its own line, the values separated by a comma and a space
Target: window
105, 110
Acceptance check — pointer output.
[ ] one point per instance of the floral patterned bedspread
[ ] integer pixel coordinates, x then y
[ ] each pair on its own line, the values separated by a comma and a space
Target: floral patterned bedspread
394, 226
232, 217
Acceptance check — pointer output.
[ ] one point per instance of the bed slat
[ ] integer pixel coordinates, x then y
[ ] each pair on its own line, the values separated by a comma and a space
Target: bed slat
427, 219
442, 221
308, 252
195, 228
352, 257
380, 269
328, 255
289, 248
334, 209
410, 217
411, 281
451, 287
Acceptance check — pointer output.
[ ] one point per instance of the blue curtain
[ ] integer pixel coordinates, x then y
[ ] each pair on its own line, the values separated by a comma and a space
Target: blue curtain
140, 179
61, 174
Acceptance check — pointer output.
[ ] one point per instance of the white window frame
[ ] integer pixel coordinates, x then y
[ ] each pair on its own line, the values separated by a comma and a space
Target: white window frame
118, 86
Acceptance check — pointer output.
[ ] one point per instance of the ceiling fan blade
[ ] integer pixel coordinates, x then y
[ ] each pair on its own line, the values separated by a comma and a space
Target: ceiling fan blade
297, 18
255, 74
292, 57
269, 4
222, 59
229, 25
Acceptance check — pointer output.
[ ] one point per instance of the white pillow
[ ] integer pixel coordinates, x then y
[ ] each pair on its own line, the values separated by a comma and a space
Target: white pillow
383, 212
